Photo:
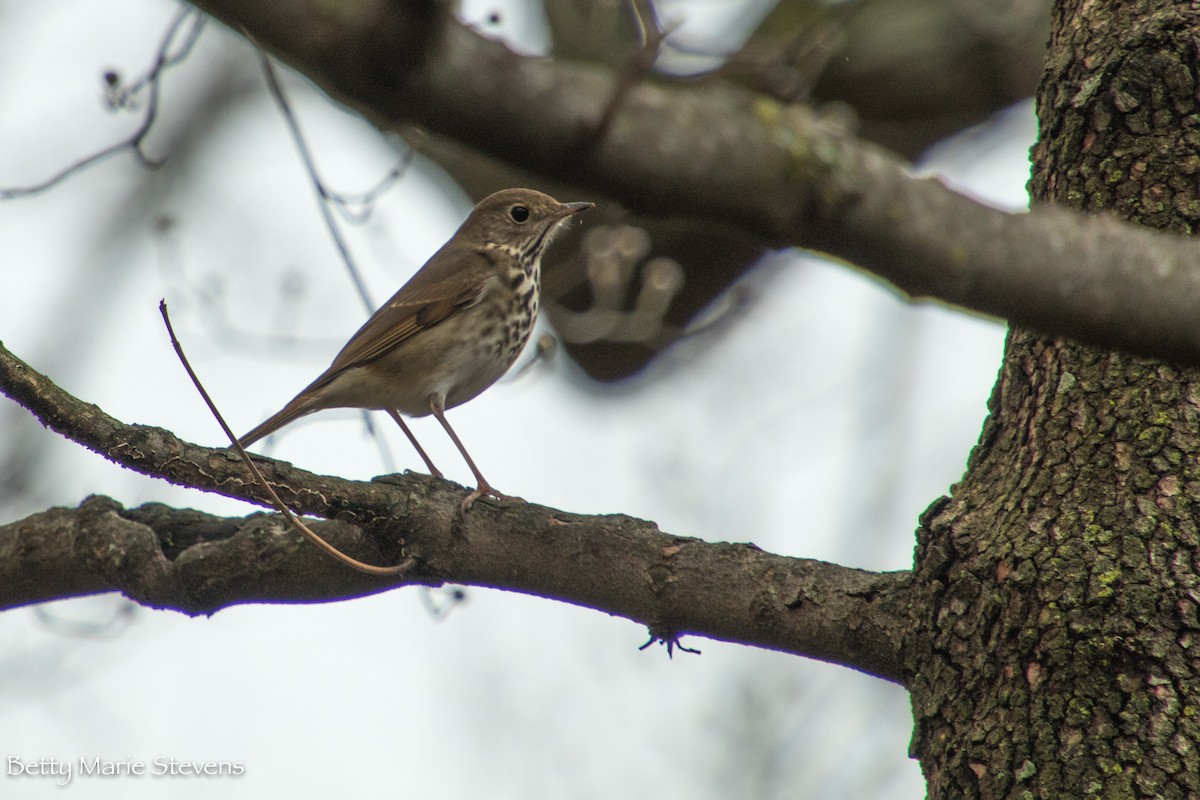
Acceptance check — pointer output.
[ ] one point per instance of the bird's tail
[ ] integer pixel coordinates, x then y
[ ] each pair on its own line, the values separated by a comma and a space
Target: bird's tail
297, 408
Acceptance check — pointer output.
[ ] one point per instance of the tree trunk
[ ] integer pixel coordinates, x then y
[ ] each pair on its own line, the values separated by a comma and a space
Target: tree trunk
1056, 658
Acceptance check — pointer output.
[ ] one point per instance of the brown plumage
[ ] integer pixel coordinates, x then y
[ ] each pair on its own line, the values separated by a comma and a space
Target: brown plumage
452, 330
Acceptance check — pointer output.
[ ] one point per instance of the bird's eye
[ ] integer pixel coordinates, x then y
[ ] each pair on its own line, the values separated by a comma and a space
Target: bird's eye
519, 213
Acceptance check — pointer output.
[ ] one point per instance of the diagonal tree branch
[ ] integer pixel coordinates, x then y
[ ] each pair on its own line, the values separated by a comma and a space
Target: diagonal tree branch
782, 173
198, 563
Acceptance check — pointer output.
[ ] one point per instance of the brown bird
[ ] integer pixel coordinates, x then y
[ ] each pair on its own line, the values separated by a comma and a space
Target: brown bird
451, 331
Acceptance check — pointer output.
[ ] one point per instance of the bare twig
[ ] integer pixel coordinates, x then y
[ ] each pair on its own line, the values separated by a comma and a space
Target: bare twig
123, 98
355, 208
545, 350
323, 195
650, 40
671, 641
118, 620
452, 598
307, 532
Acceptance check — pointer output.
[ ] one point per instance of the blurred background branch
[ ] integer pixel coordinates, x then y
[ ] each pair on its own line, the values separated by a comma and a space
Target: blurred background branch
852, 61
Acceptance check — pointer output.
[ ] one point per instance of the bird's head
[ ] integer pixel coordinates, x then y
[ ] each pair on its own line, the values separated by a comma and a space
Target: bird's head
518, 221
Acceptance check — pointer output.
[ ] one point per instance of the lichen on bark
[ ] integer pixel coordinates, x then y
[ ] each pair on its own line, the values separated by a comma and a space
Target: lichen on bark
1056, 657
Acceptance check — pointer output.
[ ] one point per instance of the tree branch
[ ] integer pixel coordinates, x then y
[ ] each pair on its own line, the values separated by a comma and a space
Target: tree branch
782, 173
198, 563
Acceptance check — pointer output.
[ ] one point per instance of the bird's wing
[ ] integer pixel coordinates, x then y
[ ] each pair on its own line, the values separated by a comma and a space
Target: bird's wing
409, 311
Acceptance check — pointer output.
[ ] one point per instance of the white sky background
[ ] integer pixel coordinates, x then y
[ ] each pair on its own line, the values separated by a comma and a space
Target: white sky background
820, 425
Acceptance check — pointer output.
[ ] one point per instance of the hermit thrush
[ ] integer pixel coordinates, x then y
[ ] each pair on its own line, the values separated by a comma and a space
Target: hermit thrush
451, 331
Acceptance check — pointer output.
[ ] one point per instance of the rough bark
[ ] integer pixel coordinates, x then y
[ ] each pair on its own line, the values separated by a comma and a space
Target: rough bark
197, 563
1058, 656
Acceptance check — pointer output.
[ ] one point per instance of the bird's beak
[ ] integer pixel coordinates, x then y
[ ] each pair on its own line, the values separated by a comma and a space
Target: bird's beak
568, 209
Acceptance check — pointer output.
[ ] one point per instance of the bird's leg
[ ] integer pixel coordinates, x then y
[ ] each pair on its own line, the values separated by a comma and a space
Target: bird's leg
434, 471
437, 405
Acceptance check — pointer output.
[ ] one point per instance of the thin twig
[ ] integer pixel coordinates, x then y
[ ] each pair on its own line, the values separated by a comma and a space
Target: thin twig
343, 202
307, 532
356, 208
650, 40
121, 98
671, 641
323, 195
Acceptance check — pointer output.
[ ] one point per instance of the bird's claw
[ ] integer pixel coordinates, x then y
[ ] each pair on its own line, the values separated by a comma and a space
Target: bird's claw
487, 491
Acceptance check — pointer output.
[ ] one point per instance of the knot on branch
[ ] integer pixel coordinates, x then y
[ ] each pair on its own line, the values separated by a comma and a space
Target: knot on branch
126, 553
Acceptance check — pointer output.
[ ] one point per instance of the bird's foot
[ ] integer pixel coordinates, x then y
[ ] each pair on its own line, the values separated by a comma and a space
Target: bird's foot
485, 490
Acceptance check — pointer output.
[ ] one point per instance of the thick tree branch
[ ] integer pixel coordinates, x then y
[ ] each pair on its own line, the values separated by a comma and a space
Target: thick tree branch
971, 60
780, 172
197, 563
